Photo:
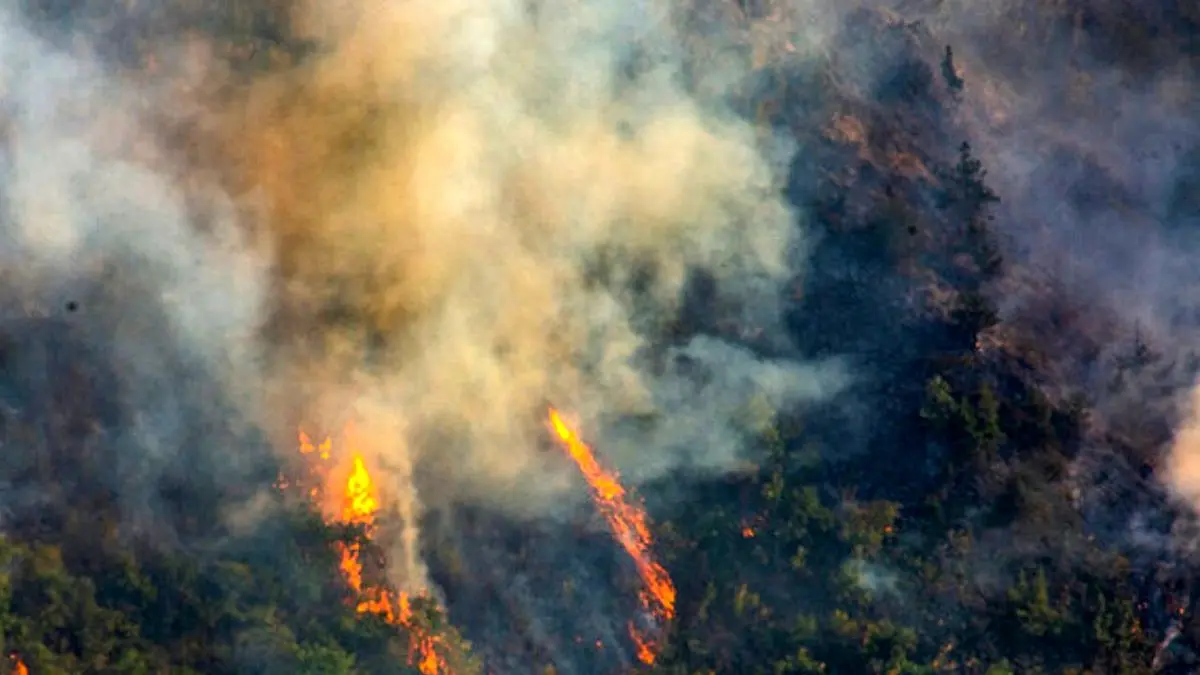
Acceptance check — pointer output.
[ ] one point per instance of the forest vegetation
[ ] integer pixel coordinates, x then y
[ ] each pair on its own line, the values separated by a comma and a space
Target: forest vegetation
990, 500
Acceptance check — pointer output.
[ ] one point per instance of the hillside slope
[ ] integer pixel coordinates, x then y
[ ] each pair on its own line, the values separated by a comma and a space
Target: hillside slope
955, 406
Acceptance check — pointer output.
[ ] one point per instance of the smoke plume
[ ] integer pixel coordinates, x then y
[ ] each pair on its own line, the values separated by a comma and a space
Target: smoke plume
479, 209
1184, 457
105, 264
444, 218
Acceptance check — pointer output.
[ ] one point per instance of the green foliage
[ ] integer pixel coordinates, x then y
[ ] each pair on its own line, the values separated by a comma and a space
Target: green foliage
324, 660
812, 563
901, 562
161, 613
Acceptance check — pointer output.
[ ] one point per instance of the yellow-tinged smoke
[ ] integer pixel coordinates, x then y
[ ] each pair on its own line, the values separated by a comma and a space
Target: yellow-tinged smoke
1183, 458
469, 209
477, 209
464, 196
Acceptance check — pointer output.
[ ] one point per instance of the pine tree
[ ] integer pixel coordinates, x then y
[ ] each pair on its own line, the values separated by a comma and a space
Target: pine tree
950, 74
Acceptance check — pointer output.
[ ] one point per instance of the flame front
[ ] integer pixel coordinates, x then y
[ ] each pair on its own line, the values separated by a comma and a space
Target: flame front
628, 524
18, 667
359, 506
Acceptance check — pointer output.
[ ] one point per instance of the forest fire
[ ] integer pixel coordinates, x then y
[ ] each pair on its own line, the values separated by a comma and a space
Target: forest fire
359, 506
18, 665
628, 524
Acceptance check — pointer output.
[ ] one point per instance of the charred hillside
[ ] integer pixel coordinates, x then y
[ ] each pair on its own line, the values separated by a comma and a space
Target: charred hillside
916, 396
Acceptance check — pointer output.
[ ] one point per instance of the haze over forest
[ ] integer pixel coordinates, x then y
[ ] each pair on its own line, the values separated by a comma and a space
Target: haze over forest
600, 337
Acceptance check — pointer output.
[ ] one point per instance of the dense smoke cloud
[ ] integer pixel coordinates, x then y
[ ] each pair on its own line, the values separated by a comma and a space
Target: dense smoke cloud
108, 277
483, 209
446, 218
480, 209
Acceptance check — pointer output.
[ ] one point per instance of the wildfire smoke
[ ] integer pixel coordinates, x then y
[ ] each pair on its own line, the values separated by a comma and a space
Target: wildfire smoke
440, 217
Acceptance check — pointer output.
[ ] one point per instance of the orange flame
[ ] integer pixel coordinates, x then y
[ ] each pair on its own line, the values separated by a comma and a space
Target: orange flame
628, 525
642, 647
358, 508
359, 505
19, 667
